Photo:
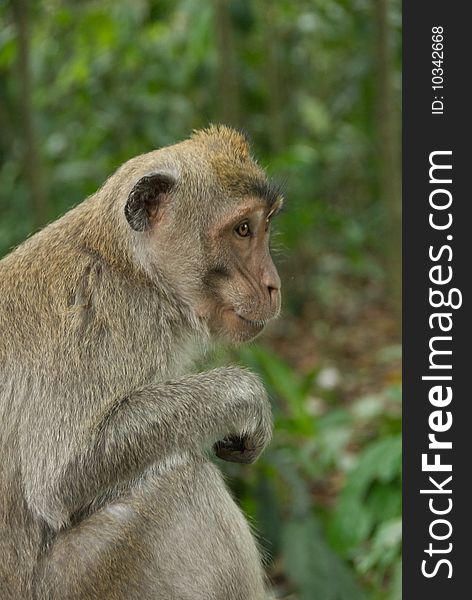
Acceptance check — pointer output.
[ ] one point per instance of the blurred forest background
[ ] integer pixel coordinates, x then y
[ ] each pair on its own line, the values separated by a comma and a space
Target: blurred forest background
316, 84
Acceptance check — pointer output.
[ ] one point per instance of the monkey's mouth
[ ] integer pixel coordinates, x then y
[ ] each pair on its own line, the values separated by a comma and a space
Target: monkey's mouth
255, 323
240, 327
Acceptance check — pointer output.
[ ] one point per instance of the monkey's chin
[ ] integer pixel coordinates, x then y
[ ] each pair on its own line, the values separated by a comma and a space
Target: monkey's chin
240, 329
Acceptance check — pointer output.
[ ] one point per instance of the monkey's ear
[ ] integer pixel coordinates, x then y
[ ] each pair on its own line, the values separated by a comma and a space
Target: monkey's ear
147, 195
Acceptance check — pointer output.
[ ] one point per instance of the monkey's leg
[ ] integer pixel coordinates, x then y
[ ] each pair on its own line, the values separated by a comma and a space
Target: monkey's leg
177, 535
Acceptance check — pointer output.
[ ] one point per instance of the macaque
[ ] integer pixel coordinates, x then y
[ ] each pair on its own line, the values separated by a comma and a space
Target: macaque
107, 490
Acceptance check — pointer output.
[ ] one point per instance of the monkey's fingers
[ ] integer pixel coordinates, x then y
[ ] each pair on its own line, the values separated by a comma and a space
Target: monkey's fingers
235, 449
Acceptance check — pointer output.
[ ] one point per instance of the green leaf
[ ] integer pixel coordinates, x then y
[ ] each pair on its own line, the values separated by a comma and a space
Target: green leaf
312, 566
371, 493
283, 382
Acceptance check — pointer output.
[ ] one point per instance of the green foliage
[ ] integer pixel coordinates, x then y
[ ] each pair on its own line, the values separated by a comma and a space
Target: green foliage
285, 383
320, 543
312, 564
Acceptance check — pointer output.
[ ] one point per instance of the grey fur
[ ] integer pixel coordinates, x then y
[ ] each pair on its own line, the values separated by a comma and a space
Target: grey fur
106, 492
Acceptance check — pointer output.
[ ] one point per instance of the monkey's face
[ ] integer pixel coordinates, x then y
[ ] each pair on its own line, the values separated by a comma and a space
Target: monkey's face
241, 286
218, 256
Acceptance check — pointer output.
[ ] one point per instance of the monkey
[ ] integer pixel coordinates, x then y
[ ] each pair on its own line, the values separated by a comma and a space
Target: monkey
108, 490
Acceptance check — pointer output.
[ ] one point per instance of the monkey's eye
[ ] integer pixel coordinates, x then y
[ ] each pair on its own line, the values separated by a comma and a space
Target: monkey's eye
243, 229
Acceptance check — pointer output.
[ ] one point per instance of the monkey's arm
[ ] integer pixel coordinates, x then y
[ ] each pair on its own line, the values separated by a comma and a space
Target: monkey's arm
191, 413
155, 422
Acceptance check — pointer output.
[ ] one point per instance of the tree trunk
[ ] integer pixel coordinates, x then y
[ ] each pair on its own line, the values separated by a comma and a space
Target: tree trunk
388, 152
31, 158
267, 16
227, 78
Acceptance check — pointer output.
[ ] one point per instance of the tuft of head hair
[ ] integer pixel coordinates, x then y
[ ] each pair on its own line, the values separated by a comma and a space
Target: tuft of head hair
229, 156
224, 139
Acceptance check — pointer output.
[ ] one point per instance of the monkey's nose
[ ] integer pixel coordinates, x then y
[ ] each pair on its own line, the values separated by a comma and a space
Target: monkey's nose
272, 283
274, 294
271, 280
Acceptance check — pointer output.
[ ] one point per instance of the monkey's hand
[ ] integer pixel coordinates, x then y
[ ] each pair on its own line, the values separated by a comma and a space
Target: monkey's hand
235, 448
255, 429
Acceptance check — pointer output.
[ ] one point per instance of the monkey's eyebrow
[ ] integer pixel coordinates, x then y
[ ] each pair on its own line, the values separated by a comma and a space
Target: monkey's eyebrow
267, 190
